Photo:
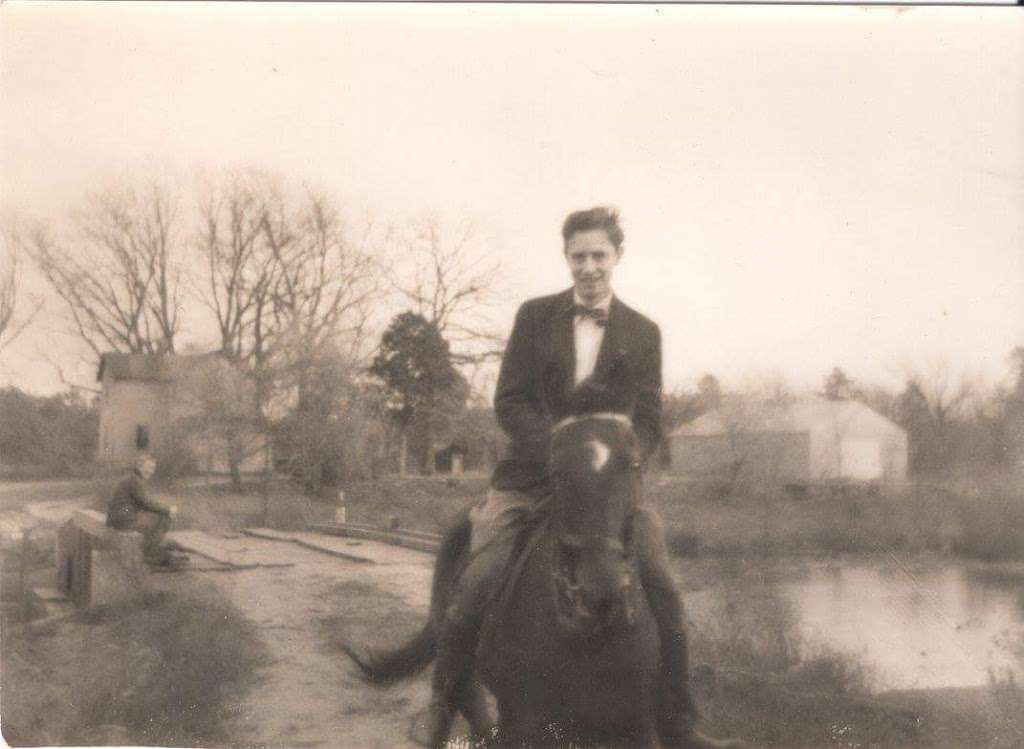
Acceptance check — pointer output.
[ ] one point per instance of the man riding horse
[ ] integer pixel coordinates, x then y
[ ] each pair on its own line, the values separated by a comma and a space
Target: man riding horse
581, 338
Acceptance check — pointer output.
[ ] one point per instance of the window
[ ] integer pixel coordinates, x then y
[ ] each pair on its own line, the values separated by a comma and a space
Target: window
142, 437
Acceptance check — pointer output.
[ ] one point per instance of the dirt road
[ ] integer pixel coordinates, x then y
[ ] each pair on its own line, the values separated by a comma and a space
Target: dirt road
35, 504
309, 693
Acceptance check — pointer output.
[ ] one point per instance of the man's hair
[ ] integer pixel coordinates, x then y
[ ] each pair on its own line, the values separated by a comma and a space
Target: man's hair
599, 217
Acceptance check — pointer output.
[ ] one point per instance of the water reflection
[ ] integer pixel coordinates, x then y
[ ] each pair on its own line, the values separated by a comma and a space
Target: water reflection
913, 626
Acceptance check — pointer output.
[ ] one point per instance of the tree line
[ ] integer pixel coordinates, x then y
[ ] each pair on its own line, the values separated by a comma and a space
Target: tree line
287, 289
956, 425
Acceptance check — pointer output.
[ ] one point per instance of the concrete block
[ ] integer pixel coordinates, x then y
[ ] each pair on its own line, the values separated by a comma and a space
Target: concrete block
97, 565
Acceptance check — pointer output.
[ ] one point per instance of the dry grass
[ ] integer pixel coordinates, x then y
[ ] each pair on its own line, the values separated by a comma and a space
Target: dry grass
426, 503
165, 669
981, 522
967, 518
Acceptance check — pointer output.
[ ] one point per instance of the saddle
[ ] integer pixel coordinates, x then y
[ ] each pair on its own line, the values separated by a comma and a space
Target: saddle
528, 539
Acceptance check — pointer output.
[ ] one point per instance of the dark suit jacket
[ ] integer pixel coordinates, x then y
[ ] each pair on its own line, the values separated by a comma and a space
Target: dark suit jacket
537, 381
129, 500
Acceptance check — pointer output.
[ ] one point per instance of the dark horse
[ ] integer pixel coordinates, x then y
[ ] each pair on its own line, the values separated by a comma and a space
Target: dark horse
569, 647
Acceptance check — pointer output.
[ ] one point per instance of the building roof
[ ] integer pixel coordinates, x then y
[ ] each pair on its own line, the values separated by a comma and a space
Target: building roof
806, 414
146, 367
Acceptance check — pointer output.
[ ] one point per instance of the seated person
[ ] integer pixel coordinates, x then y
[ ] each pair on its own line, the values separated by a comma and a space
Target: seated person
130, 509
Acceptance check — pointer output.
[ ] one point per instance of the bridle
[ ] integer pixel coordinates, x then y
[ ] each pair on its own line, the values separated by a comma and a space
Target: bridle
603, 415
568, 594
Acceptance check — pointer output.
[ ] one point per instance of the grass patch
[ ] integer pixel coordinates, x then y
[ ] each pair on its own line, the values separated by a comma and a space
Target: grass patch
426, 503
983, 521
164, 670
976, 521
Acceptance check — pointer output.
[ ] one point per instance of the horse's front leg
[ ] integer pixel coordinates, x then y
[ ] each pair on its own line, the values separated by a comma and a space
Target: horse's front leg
473, 706
649, 737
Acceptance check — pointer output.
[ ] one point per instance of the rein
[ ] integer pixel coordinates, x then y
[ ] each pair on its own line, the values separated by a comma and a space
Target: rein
610, 543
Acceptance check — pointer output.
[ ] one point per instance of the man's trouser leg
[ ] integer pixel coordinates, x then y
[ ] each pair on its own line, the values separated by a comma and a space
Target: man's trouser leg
496, 527
153, 527
677, 711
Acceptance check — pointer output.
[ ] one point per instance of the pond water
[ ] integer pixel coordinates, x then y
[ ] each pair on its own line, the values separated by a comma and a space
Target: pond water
914, 627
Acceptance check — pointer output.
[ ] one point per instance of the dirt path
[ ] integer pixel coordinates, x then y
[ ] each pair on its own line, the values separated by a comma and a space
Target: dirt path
35, 504
309, 694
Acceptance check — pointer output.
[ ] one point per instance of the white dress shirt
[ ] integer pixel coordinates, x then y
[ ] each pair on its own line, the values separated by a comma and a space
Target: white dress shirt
587, 337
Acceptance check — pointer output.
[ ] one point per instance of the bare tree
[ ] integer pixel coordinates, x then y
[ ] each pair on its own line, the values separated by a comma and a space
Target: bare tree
324, 283
11, 323
280, 273
119, 275
945, 393
238, 271
285, 284
931, 407
444, 273
838, 385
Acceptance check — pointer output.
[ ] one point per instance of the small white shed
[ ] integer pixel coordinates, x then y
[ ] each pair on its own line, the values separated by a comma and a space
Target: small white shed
810, 439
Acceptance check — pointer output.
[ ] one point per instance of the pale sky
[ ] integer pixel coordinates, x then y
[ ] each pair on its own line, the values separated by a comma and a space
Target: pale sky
801, 187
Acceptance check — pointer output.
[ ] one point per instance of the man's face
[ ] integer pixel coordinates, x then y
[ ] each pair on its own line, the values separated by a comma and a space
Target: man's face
592, 257
147, 469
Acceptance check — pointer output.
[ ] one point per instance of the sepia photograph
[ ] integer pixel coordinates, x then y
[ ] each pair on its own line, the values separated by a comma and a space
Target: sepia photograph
512, 375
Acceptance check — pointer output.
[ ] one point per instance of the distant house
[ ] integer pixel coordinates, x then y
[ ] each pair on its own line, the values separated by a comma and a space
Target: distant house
810, 439
451, 459
143, 402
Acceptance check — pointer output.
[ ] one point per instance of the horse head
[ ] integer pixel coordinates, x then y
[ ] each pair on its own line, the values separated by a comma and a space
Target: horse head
595, 463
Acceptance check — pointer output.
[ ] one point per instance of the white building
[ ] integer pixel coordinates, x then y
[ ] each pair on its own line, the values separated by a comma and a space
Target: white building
811, 439
144, 398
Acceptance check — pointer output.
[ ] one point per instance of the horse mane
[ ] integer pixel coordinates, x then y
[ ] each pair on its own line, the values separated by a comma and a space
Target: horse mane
590, 397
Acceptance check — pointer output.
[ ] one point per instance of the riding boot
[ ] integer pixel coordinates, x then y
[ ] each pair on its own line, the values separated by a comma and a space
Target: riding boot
459, 631
676, 709
456, 649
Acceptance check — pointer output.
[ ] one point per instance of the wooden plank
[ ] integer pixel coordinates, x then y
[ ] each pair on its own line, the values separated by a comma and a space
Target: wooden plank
200, 543
396, 538
271, 535
406, 532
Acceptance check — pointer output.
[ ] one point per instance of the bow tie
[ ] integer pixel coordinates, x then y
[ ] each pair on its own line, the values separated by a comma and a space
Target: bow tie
598, 314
